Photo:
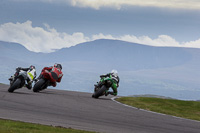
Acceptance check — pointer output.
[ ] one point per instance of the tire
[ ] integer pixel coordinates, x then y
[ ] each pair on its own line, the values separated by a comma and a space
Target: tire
15, 85
99, 92
39, 85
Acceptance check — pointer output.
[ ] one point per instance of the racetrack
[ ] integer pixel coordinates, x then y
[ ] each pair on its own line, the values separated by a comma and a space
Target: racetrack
79, 111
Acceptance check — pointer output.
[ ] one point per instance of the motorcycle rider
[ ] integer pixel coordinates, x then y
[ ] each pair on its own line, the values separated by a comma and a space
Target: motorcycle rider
59, 73
115, 77
31, 74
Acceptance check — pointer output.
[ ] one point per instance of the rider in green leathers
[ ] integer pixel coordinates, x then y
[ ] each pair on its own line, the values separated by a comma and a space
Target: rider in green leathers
113, 76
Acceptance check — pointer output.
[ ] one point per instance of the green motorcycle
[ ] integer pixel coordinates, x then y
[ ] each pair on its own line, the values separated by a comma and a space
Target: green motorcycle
102, 87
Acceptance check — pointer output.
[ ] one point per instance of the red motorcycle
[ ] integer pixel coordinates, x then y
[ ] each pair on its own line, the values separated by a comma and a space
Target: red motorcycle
48, 78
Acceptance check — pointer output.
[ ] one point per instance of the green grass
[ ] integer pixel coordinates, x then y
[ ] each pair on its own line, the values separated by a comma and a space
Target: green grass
184, 109
8, 126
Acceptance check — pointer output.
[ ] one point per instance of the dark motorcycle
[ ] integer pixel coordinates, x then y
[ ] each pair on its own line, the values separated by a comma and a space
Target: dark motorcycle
18, 80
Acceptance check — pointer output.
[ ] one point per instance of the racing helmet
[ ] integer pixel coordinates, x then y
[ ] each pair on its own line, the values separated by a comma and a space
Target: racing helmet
115, 73
32, 67
58, 66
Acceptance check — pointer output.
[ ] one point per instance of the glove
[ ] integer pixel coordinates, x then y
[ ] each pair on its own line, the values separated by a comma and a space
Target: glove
105, 75
101, 76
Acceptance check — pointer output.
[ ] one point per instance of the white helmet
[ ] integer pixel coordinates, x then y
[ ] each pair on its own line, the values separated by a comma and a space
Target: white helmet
114, 72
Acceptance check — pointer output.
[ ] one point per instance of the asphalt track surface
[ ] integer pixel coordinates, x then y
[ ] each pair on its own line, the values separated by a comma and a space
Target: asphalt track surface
79, 111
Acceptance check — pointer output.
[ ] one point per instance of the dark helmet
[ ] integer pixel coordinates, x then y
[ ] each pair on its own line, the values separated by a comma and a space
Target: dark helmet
32, 67
58, 66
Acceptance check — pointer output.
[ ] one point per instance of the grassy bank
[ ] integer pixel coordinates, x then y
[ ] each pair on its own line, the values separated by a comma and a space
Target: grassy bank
8, 126
185, 109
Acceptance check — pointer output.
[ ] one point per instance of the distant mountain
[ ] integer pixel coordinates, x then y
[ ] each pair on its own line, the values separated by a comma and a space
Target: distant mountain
168, 71
15, 51
125, 55
118, 54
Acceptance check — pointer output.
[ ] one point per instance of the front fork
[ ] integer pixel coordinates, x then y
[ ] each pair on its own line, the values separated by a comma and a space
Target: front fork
97, 86
11, 79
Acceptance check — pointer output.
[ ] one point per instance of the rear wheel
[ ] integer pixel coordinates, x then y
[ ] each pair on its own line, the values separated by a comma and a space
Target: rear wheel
15, 85
39, 85
99, 92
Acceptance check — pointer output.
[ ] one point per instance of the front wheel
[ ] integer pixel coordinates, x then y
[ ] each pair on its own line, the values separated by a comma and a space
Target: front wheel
99, 92
39, 85
15, 85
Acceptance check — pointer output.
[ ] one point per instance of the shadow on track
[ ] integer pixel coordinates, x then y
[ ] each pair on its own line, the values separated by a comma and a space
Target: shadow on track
102, 98
21, 93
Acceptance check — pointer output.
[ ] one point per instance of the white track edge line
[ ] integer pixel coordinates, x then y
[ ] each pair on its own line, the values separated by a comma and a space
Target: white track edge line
113, 99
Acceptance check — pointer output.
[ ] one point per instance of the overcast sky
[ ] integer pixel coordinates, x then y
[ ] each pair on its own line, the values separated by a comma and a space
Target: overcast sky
44, 25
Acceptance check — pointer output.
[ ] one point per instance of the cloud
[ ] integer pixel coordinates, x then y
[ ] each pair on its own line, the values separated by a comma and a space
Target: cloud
162, 40
194, 44
192, 4
38, 39
47, 39
97, 4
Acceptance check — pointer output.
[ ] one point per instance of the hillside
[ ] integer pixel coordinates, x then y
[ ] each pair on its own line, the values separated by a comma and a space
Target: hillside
124, 55
143, 69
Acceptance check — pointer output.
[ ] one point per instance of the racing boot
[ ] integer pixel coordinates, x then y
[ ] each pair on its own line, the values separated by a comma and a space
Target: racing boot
29, 85
39, 77
106, 93
109, 92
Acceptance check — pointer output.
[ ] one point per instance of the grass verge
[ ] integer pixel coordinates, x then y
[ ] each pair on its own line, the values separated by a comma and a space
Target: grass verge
8, 126
184, 109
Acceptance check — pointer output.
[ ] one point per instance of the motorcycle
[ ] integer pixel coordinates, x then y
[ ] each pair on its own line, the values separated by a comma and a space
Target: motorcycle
102, 87
19, 79
47, 78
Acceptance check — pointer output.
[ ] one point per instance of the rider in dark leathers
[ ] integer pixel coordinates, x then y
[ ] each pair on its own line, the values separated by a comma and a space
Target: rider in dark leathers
30, 69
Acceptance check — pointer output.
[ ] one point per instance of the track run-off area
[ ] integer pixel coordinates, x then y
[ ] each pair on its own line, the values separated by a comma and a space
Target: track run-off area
79, 110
